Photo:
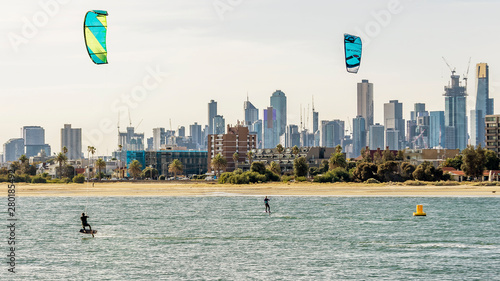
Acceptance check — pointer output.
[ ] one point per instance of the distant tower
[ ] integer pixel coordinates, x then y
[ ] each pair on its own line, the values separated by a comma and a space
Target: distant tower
455, 98
251, 113
212, 111
278, 102
393, 117
358, 135
484, 105
365, 102
71, 138
270, 128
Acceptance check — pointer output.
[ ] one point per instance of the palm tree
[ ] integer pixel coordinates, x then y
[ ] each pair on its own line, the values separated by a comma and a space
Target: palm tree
175, 167
120, 173
337, 160
100, 164
61, 158
250, 156
218, 163
23, 160
90, 149
65, 150
295, 150
235, 158
135, 169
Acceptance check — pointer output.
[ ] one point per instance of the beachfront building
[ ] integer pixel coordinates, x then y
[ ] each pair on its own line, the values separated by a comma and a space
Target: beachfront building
237, 140
194, 161
313, 155
492, 125
71, 138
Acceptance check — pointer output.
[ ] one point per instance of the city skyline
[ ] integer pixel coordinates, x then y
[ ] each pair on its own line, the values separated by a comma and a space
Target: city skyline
50, 81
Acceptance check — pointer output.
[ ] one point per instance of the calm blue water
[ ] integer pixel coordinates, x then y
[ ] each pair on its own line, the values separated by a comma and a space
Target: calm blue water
231, 238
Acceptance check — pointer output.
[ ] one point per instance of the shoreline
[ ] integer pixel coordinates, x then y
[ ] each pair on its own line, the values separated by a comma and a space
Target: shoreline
141, 189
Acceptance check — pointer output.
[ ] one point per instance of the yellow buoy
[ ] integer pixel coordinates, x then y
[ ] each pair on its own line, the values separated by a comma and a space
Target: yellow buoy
420, 211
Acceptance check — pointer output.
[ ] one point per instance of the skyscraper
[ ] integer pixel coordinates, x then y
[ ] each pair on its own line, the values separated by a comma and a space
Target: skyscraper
393, 118
159, 138
332, 133
71, 138
484, 105
13, 149
376, 137
251, 113
219, 125
34, 140
270, 128
455, 114
437, 130
365, 102
195, 133
358, 135
278, 102
212, 111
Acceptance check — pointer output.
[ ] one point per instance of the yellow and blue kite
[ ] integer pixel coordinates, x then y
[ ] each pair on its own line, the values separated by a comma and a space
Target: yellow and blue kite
94, 30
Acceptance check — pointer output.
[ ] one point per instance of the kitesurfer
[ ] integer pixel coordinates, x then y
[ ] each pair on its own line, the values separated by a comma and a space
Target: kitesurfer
266, 202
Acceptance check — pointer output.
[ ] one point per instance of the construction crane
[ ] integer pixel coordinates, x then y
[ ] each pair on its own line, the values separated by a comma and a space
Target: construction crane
466, 75
453, 70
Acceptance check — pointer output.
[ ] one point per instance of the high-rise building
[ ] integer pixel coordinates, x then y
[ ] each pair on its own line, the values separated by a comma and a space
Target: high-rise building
212, 112
251, 113
492, 125
278, 102
195, 133
455, 114
159, 138
418, 108
376, 137
13, 149
437, 129
71, 138
358, 135
365, 102
219, 125
270, 128
182, 131
332, 132
257, 130
292, 136
237, 140
392, 139
130, 140
484, 105
34, 141
393, 118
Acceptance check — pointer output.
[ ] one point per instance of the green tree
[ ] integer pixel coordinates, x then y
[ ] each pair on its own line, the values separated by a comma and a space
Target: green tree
279, 148
473, 161
492, 161
337, 159
388, 171
235, 159
427, 172
90, 150
258, 167
300, 167
295, 150
100, 164
325, 165
176, 167
250, 156
365, 171
366, 155
61, 158
407, 170
218, 163
455, 162
275, 168
387, 155
24, 163
150, 173
135, 169
400, 156
65, 150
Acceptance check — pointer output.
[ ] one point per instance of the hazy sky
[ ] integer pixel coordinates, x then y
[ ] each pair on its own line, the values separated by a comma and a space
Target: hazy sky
200, 50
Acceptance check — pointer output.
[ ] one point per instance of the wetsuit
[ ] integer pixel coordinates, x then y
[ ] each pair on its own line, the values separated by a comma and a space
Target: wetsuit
266, 201
85, 223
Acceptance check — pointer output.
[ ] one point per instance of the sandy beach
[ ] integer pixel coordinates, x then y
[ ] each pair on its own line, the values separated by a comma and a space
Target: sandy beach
271, 189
